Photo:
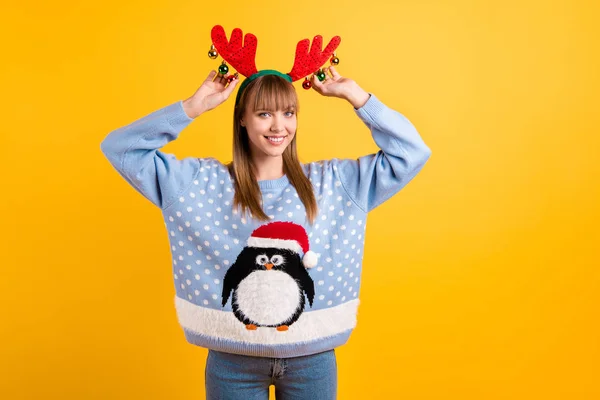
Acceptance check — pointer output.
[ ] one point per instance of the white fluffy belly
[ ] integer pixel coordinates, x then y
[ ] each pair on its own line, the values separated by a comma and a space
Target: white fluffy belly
268, 297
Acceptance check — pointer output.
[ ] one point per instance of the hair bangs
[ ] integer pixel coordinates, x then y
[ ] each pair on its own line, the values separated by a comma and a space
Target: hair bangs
274, 93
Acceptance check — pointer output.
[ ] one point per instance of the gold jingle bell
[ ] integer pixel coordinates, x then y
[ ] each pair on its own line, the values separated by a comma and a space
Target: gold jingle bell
212, 53
334, 60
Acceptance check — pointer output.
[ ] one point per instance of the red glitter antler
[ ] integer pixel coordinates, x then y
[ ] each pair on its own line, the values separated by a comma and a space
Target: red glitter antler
307, 62
242, 58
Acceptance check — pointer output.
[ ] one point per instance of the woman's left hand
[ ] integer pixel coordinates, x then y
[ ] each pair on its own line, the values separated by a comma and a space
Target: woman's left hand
335, 85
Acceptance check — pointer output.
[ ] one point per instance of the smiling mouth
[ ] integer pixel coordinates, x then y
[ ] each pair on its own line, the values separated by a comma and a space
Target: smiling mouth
275, 139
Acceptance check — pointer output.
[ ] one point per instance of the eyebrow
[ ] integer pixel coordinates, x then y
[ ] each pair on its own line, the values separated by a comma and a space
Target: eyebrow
290, 108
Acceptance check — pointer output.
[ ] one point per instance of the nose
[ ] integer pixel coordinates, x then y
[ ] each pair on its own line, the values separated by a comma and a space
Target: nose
269, 266
277, 125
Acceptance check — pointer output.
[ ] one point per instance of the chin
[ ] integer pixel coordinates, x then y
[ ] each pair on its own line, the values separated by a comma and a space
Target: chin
275, 152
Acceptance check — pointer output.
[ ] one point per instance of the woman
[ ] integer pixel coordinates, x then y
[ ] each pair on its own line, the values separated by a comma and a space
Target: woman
267, 251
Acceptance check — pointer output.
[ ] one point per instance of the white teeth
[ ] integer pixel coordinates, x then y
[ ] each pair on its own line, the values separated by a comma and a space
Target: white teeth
276, 140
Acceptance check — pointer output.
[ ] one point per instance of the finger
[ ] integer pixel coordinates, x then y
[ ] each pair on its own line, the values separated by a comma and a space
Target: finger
221, 79
221, 76
327, 79
211, 75
230, 87
317, 84
332, 76
334, 73
315, 81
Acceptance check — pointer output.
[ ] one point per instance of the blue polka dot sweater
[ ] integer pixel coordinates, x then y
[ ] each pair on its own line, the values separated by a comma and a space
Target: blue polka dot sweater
249, 287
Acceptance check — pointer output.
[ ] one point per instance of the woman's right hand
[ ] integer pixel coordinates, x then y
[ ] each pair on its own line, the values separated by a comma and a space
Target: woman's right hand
209, 95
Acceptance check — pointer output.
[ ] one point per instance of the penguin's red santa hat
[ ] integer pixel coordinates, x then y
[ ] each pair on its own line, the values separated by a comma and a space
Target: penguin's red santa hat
284, 235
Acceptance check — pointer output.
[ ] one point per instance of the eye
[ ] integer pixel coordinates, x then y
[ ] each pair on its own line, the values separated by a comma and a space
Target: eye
289, 113
262, 259
264, 114
277, 259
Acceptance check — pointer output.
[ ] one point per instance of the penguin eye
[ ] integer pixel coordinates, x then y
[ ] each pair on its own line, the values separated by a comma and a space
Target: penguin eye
262, 259
277, 259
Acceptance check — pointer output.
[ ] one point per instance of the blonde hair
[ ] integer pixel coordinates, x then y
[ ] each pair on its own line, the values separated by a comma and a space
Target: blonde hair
268, 92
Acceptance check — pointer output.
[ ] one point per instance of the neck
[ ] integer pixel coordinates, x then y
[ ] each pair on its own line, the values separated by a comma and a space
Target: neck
267, 168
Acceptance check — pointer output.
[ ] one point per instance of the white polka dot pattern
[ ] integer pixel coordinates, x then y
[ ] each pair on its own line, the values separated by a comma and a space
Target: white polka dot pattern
207, 235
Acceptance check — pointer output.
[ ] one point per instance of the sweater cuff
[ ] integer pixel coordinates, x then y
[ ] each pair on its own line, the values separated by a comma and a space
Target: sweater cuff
176, 116
371, 109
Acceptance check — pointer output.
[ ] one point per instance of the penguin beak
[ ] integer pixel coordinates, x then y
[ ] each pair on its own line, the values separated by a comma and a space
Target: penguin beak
269, 266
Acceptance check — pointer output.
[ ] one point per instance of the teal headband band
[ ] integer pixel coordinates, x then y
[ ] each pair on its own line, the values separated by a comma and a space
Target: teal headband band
257, 75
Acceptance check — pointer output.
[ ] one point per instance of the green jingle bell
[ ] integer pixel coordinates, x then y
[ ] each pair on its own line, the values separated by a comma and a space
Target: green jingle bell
321, 75
223, 68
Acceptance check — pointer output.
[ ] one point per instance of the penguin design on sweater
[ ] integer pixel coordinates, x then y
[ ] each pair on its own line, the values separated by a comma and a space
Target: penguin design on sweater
269, 280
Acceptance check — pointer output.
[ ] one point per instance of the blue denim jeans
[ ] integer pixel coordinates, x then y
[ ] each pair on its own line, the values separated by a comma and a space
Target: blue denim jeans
237, 377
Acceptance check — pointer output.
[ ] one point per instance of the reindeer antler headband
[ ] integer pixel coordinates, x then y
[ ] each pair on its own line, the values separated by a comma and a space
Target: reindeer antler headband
242, 57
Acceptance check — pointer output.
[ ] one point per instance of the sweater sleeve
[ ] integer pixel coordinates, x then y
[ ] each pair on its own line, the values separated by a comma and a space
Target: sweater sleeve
133, 150
372, 179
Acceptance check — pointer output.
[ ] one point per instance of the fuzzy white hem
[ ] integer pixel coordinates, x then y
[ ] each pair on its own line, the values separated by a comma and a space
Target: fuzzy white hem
311, 325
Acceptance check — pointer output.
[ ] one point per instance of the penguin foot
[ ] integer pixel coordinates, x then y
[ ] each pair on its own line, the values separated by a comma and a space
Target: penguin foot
282, 328
251, 327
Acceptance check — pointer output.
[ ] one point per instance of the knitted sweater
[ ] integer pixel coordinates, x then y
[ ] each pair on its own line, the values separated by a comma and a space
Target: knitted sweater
227, 298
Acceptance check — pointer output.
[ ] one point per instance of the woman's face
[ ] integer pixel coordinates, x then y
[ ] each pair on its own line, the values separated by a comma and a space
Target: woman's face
269, 132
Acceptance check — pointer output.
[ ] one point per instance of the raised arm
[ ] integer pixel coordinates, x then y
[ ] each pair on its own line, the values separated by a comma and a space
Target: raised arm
133, 150
372, 179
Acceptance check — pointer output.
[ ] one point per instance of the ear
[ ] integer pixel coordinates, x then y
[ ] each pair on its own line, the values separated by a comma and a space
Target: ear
242, 122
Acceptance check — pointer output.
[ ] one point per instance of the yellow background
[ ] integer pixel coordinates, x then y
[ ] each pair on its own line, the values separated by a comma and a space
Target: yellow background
481, 277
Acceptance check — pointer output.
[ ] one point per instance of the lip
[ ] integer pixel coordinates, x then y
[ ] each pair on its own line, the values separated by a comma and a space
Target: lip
276, 144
